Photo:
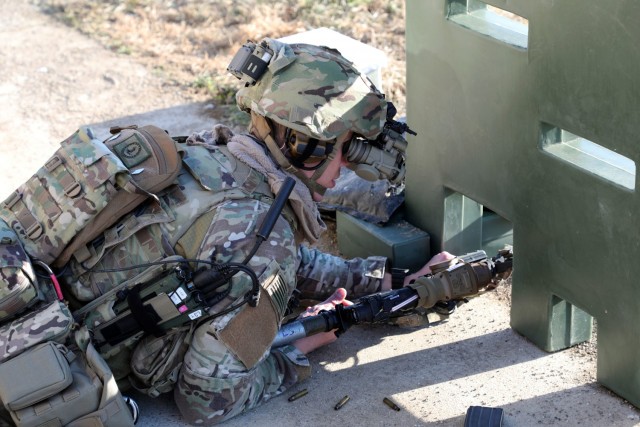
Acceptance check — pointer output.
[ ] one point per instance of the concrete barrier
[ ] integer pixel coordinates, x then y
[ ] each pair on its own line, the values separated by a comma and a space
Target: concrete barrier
530, 109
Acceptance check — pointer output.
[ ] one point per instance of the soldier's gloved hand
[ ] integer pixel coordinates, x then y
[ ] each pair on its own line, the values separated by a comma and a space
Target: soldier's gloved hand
436, 259
426, 269
308, 344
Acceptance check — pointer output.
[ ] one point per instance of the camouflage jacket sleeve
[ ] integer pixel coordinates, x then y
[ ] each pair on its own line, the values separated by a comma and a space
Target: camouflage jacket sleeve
320, 274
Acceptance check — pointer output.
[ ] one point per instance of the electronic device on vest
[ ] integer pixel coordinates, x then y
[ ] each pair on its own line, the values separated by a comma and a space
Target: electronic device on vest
69, 209
180, 295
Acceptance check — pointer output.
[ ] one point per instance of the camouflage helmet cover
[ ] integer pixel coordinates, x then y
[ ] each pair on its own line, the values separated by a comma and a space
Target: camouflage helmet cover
316, 91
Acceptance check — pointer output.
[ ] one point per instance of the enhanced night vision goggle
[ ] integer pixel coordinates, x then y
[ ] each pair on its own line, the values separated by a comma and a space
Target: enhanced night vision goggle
382, 158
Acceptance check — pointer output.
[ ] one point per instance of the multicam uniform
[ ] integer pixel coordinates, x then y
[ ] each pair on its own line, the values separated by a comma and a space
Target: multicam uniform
222, 377
214, 384
222, 373
213, 214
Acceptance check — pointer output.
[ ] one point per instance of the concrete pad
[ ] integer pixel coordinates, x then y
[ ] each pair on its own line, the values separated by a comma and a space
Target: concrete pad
54, 79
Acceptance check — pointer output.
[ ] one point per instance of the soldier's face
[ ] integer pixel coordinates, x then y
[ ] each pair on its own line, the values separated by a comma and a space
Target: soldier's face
332, 172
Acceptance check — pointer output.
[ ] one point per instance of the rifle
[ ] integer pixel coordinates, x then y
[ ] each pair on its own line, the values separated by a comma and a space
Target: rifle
449, 281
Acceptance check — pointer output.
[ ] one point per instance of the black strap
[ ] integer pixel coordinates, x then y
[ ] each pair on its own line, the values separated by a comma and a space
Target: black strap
397, 277
312, 143
115, 333
145, 315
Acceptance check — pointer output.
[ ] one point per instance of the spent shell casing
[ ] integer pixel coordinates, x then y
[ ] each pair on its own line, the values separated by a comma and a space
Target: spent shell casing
342, 402
298, 395
390, 404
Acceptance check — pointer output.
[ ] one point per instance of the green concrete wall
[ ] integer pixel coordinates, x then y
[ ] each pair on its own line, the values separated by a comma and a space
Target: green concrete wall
486, 102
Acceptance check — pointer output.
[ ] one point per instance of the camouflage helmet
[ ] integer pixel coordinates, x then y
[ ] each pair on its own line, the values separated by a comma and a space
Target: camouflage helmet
316, 91
317, 104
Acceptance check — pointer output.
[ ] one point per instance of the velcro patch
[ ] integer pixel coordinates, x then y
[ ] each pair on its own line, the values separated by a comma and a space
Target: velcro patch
132, 151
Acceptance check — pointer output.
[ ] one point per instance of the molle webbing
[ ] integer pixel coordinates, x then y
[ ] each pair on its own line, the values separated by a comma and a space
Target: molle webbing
86, 186
153, 160
201, 163
76, 183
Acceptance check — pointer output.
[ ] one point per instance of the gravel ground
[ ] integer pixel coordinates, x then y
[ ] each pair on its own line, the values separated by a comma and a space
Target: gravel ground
54, 79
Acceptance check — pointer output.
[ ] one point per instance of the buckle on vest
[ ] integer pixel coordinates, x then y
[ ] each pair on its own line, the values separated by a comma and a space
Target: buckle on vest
12, 199
52, 164
82, 254
73, 190
34, 231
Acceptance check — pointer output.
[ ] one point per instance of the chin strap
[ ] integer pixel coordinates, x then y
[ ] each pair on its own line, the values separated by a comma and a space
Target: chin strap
262, 130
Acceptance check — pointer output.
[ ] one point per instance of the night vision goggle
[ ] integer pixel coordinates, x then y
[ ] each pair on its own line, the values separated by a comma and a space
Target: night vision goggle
382, 158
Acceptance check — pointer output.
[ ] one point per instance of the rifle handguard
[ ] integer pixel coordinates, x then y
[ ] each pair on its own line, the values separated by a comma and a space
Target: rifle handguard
454, 282
458, 281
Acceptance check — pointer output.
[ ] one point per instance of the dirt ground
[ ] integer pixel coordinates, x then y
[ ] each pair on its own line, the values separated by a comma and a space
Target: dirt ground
55, 79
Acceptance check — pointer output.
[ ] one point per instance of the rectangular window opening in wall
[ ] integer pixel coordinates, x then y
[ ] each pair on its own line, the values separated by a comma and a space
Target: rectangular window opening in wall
588, 156
497, 232
489, 20
470, 226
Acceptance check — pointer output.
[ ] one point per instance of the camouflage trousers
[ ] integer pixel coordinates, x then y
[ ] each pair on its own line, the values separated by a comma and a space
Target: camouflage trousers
214, 385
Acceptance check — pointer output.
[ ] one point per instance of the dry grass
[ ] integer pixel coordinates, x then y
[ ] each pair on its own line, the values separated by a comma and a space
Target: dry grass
190, 43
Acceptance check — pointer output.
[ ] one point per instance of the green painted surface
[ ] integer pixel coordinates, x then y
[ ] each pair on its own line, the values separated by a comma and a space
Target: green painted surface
405, 245
480, 106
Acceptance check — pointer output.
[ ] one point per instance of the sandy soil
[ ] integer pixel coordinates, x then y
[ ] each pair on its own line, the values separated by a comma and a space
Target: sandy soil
54, 79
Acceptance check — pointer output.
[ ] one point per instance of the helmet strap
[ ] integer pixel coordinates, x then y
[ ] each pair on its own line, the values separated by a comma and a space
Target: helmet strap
260, 127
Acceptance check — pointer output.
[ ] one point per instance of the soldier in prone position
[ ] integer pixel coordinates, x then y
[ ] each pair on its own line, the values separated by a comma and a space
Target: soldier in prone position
306, 109
311, 112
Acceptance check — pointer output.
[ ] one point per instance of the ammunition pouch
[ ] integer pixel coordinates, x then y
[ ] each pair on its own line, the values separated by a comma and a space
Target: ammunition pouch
86, 186
156, 362
54, 386
52, 322
18, 285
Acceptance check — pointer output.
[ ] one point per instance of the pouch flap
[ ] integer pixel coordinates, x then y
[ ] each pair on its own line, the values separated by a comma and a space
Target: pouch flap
89, 152
211, 169
86, 148
34, 376
49, 323
150, 154
250, 333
